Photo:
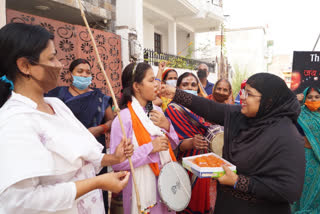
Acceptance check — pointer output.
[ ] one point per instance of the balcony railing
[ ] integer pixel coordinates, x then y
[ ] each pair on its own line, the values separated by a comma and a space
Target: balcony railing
173, 61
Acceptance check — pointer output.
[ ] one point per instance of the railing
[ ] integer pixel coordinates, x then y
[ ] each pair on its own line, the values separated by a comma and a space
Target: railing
174, 61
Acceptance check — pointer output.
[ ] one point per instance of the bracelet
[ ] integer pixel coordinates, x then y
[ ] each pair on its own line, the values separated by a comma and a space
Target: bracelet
235, 184
105, 128
158, 79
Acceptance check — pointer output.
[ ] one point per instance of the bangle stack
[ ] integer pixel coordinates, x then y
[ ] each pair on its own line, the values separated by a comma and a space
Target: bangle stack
105, 128
158, 79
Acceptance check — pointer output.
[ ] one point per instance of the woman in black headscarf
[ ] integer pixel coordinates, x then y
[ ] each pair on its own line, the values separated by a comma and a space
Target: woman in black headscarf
262, 141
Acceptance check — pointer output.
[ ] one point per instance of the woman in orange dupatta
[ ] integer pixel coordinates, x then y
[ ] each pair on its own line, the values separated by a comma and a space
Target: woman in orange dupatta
145, 124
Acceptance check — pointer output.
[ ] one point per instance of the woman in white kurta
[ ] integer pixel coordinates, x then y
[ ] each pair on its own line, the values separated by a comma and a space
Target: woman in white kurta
48, 159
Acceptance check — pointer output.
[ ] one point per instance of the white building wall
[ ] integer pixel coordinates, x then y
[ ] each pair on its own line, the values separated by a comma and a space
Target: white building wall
182, 42
164, 39
148, 34
2, 13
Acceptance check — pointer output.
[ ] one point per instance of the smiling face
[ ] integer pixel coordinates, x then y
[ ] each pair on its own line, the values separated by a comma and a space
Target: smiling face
250, 101
189, 83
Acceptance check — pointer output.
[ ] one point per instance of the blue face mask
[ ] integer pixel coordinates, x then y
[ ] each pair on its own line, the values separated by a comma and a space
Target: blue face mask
191, 92
81, 83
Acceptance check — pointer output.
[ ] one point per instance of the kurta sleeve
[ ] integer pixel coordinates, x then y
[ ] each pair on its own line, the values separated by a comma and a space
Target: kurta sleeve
141, 156
29, 196
208, 109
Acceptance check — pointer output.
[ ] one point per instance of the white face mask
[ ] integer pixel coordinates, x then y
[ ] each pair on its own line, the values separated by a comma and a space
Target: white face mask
172, 83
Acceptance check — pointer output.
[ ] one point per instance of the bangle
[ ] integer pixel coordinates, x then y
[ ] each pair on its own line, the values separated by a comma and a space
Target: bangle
105, 128
158, 79
235, 184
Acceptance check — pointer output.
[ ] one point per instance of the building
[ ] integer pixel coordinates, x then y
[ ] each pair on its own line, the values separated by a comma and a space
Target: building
282, 66
63, 19
165, 29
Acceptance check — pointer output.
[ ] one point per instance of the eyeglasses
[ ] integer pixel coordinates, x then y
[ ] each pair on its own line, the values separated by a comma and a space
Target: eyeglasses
246, 94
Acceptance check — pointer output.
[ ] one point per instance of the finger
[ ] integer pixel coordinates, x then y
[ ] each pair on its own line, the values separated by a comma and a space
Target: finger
125, 179
120, 174
226, 169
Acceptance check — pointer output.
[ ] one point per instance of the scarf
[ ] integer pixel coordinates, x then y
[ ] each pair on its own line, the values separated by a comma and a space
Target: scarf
143, 129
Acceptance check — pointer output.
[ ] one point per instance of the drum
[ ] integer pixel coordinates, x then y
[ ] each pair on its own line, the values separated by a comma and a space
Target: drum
215, 138
174, 186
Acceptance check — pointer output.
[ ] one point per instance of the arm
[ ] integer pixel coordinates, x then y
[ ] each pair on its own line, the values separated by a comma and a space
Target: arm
32, 197
208, 109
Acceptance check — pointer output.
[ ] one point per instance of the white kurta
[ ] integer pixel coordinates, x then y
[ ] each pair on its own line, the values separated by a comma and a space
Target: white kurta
41, 155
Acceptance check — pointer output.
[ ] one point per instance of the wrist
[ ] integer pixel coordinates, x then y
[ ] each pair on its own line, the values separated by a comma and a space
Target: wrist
235, 182
104, 128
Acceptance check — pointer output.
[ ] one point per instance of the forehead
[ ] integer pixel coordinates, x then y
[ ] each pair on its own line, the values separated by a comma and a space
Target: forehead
202, 67
313, 93
189, 79
252, 90
83, 66
223, 84
172, 74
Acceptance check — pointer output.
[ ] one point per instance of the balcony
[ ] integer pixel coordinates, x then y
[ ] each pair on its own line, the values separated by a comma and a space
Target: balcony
173, 61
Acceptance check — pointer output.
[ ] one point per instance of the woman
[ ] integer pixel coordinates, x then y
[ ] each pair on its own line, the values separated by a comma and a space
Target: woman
262, 141
168, 77
48, 159
222, 92
190, 129
309, 125
152, 148
90, 106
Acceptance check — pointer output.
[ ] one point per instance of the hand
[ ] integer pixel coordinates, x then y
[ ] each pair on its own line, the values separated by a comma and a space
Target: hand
168, 91
113, 181
199, 142
160, 144
229, 178
123, 151
159, 119
96, 131
162, 66
300, 97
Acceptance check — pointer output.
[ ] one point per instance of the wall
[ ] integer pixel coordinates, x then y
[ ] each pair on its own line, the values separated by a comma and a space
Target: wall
148, 35
182, 42
2, 13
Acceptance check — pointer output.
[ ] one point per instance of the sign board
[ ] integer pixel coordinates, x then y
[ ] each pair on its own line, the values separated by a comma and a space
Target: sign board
305, 70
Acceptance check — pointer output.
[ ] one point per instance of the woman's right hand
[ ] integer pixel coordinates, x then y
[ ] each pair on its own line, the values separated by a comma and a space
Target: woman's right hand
114, 181
300, 97
199, 142
160, 144
167, 90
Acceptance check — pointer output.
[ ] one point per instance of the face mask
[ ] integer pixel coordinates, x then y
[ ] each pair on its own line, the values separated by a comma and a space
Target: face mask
202, 73
191, 92
81, 83
50, 79
313, 106
220, 97
172, 83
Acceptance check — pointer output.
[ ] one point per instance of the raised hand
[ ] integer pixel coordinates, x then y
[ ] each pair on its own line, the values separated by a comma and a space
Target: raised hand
159, 119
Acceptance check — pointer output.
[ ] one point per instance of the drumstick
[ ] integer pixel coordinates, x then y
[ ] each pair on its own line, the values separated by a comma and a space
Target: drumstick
113, 98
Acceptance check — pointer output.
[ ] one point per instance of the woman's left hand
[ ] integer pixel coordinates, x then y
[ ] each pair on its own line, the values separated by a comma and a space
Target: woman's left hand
229, 178
159, 119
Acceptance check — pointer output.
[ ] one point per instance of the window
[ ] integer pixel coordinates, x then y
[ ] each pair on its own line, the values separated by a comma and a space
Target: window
157, 42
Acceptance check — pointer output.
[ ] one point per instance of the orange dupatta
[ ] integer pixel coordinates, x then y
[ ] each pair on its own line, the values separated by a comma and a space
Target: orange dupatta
143, 137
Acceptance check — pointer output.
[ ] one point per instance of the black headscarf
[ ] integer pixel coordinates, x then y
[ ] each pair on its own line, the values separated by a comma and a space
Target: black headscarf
246, 143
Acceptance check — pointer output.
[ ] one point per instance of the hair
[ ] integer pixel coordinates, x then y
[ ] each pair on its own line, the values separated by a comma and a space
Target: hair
167, 73
184, 75
19, 40
220, 80
77, 62
314, 88
128, 79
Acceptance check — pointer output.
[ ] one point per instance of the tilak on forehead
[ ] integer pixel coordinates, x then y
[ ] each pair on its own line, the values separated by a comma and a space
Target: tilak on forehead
189, 79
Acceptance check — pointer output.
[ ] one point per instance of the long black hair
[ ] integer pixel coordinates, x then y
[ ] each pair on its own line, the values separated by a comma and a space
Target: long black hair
19, 40
128, 78
184, 75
